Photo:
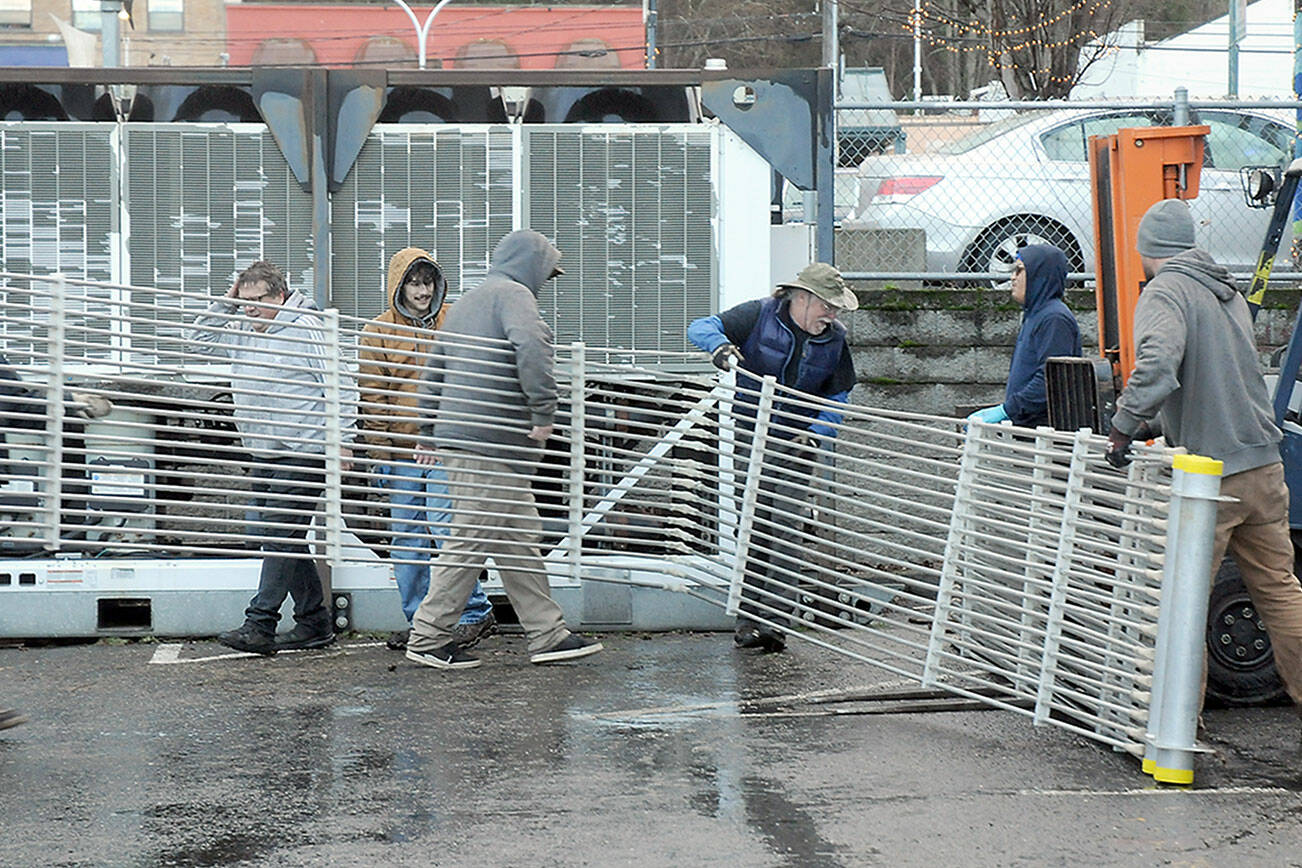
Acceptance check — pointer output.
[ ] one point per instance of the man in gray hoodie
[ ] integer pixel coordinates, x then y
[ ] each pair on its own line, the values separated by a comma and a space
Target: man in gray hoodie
491, 391
274, 340
1196, 366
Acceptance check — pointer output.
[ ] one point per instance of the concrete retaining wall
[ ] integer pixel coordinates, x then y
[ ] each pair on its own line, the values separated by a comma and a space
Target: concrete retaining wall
935, 350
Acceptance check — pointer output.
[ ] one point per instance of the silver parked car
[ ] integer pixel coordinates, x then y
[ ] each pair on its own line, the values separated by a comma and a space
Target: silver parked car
1025, 180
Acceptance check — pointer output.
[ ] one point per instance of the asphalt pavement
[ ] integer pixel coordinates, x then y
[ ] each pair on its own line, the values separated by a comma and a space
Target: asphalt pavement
667, 749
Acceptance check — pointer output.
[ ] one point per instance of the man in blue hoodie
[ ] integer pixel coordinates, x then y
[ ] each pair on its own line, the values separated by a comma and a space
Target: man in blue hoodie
1197, 370
1048, 329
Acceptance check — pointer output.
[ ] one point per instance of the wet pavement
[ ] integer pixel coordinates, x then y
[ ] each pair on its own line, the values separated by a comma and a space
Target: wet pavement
156, 754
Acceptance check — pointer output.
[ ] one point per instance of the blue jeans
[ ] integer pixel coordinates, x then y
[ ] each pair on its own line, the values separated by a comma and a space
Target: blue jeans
418, 493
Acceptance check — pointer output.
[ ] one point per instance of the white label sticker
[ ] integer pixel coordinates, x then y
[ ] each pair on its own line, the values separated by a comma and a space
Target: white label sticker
117, 484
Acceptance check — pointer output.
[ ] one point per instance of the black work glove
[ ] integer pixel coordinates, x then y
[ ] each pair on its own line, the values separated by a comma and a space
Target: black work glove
1118, 451
1149, 430
726, 357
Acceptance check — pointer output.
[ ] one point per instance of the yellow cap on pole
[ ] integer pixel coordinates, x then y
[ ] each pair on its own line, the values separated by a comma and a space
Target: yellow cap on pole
1199, 464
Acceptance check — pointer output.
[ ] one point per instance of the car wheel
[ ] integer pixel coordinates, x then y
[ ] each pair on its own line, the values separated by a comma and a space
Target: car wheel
996, 247
1240, 665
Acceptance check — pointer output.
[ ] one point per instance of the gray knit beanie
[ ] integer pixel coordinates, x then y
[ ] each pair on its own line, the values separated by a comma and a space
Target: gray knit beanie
1165, 230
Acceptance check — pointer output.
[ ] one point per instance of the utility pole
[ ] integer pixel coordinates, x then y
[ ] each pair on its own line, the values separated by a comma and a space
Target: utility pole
1237, 21
649, 16
831, 45
917, 50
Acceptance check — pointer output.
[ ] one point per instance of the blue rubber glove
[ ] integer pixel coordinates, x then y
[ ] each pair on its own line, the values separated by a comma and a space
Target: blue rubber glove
993, 415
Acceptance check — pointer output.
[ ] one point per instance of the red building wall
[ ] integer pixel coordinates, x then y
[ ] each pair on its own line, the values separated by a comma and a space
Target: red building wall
534, 37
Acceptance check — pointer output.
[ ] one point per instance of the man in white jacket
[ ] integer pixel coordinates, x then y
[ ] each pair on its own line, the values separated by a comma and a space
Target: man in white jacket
274, 340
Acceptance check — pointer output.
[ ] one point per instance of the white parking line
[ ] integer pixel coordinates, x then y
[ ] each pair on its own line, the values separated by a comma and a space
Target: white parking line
1166, 791
170, 653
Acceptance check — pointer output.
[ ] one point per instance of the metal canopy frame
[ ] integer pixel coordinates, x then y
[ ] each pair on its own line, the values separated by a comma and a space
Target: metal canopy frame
320, 117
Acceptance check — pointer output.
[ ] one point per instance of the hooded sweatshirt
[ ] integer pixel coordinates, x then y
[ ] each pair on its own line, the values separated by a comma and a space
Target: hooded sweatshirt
1048, 329
278, 376
491, 378
1196, 362
395, 349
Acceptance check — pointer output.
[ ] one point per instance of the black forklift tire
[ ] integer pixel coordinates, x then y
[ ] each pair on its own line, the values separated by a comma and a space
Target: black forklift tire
1240, 664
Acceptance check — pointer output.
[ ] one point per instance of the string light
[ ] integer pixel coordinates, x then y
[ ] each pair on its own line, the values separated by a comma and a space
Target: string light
1031, 38
983, 30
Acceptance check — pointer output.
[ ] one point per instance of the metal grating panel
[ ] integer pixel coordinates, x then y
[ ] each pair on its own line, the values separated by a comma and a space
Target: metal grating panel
56, 215
443, 187
205, 201
1081, 394
630, 208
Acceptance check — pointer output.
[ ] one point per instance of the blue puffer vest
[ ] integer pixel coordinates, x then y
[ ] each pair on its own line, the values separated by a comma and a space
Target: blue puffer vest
768, 350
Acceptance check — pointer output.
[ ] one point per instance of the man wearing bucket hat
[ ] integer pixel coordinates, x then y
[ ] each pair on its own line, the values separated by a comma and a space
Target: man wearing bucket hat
1197, 370
793, 336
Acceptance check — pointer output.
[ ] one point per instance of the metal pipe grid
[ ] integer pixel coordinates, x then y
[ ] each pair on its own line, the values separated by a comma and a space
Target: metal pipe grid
1003, 564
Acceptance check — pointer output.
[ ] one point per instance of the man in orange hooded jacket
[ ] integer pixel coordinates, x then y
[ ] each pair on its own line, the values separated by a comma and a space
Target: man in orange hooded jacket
394, 350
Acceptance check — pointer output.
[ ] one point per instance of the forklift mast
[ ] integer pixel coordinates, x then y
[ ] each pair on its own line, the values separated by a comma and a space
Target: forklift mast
1129, 172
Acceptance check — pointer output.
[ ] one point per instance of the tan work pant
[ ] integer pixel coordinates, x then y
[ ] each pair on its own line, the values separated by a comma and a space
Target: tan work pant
494, 514
1255, 531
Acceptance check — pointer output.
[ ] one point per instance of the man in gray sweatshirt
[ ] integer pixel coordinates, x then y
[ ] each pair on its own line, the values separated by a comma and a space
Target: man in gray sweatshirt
273, 338
490, 392
1196, 366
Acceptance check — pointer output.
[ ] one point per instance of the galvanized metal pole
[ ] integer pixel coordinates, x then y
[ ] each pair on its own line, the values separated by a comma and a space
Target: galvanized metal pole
109, 35
56, 346
1182, 621
1236, 15
825, 167
317, 102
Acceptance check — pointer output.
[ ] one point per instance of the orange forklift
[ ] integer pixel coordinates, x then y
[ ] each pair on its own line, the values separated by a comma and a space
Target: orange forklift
1131, 170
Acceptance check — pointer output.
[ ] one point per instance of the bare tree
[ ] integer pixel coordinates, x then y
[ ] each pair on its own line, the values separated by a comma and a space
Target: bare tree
1036, 48
1042, 49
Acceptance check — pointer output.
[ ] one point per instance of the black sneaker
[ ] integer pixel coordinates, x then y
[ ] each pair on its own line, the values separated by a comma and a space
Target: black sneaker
397, 640
305, 636
571, 647
772, 641
468, 635
10, 718
449, 656
249, 638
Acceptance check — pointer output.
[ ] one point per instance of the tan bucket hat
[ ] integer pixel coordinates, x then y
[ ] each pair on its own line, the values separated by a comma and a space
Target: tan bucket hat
826, 282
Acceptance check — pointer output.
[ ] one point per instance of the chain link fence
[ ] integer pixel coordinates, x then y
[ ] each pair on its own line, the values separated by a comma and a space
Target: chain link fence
949, 192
